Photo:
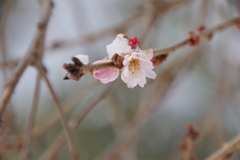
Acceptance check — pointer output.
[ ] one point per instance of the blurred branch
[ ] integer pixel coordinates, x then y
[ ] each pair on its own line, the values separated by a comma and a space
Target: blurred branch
68, 133
208, 34
162, 86
211, 121
47, 122
33, 56
74, 122
95, 36
227, 150
154, 10
11, 64
186, 146
3, 26
25, 153
160, 8
34, 50
78, 69
52, 119
151, 14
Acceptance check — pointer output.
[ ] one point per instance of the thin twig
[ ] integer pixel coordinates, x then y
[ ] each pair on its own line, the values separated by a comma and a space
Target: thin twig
3, 28
227, 150
97, 35
78, 69
73, 123
52, 119
41, 128
68, 133
32, 54
149, 18
9, 64
216, 109
162, 8
186, 146
30, 122
204, 35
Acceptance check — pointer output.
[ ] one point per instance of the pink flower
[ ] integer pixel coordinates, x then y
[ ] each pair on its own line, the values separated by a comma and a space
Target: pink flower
138, 66
137, 63
106, 75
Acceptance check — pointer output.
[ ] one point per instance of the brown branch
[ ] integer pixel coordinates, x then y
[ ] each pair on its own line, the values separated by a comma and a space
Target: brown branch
30, 122
204, 35
9, 63
51, 119
34, 50
148, 105
161, 7
68, 133
77, 70
227, 150
3, 28
187, 145
73, 123
97, 35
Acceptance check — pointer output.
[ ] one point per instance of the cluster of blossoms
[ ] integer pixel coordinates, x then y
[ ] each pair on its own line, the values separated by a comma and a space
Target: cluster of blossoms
136, 64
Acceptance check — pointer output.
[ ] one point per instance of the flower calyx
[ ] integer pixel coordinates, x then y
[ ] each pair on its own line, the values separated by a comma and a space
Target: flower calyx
117, 61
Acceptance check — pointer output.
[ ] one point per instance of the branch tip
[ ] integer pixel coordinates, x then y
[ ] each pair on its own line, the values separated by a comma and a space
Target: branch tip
66, 77
77, 61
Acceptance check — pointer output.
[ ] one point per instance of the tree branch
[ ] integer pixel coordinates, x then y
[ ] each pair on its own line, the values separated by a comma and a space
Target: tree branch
68, 133
34, 50
227, 150
148, 105
74, 122
76, 70
30, 122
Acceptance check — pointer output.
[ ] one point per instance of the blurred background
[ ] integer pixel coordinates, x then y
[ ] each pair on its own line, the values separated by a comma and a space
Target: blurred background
197, 85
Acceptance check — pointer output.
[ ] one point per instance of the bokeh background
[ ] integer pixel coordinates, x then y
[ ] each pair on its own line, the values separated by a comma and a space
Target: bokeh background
197, 85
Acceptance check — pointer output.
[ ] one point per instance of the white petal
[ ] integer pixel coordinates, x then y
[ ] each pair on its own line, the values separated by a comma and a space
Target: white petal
83, 58
124, 78
148, 64
142, 82
132, 83
119, 46
151, 74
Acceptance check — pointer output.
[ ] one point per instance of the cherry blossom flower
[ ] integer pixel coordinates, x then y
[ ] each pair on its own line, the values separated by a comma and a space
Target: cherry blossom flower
137, 66
106, 75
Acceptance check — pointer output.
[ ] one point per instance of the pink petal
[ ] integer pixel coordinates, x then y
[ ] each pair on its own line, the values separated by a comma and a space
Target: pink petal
106, 75
113, 75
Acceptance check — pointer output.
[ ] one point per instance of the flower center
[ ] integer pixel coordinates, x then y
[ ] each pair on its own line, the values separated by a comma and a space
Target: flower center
133, 65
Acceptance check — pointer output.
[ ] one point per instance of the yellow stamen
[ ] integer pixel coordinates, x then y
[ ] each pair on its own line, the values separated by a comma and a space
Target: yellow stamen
133, 69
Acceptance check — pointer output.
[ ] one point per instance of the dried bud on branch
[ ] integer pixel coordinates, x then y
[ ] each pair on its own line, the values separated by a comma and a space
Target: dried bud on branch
186, 146
193, 39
